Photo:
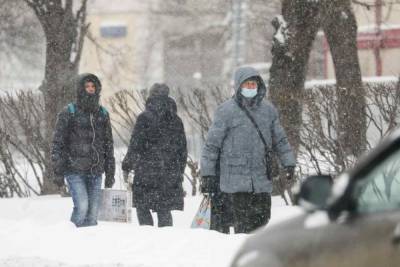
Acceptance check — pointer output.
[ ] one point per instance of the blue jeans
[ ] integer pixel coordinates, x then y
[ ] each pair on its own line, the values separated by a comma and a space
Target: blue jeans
86, 194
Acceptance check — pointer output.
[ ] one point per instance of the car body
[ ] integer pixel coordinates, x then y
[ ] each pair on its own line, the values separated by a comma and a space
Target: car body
357, 225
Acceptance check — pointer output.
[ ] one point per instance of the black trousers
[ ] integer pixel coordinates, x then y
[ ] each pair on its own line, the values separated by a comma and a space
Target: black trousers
144, 216
221, 212
244, 211
250, 211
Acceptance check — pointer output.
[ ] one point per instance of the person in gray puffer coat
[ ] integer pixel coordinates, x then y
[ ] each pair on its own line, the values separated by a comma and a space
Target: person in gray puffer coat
233, 156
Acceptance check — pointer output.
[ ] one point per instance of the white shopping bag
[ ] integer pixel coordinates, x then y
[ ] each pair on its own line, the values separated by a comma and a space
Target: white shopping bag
115, 206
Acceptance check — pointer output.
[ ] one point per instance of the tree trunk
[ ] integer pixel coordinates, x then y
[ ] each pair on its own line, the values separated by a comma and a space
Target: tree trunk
64, 33
341, 32
56, 91
295, 33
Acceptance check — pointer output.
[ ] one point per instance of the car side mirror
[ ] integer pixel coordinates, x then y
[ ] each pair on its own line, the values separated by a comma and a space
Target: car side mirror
313, 192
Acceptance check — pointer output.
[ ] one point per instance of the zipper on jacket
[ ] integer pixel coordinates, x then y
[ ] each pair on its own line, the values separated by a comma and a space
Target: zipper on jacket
93, 146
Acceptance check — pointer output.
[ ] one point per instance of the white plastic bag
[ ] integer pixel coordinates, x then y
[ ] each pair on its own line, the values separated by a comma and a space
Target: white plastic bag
115, 205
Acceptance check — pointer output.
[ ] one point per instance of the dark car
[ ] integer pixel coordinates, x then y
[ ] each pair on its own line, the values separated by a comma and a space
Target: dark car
353, 223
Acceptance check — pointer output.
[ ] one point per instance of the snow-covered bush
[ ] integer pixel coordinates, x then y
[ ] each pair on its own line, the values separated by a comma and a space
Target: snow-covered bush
320, 150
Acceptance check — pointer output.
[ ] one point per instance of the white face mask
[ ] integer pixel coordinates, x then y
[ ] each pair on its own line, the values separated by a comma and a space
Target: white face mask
248, 93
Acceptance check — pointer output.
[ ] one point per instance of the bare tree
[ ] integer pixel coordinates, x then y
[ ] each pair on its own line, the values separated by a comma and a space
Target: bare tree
126, 105
22, 141
197, 107
64, 28
383, 109
320, 150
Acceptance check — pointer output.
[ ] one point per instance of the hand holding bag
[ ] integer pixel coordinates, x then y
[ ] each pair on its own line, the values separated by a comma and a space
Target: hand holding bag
202, 219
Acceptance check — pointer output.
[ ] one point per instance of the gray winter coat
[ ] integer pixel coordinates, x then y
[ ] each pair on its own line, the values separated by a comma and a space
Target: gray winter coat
234, 141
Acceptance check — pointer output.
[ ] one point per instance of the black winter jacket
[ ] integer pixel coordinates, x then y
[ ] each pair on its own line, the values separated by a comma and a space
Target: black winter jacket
83, 142
157, 153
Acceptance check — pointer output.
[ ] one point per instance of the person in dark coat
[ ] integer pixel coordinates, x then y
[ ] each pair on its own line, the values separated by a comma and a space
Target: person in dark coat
234, 158
157, 154
82, 150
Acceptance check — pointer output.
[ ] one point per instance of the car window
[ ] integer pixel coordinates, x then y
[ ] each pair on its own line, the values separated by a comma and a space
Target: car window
379, 190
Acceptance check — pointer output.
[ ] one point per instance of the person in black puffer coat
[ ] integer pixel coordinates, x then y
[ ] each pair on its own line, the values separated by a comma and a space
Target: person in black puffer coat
82, 150
157, 154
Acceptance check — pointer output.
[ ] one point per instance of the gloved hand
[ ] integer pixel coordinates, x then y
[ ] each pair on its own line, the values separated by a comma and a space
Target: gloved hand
209, 184
289, 173
125, 174
109, 182
128, 180
59, 180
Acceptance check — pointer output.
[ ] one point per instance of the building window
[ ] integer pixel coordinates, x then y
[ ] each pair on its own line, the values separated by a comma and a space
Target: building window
113, 31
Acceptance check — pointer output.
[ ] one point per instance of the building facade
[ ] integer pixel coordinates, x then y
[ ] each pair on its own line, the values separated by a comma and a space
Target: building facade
378, 40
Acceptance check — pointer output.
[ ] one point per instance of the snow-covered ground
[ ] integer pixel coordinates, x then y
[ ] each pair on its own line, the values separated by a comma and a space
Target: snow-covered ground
36, 232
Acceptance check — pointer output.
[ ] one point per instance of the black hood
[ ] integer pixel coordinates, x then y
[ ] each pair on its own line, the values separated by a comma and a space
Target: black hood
85, 101
163, 106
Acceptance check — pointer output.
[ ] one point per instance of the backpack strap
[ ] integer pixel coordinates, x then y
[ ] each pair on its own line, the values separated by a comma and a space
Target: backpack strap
253, 121
268, 150
71, 108
103, 111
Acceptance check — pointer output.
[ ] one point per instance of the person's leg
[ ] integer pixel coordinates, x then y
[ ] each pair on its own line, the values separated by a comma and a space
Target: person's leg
144, 216
164, 218
227, 219
78, 190
94, 195
261, 212
217, 220
241, 209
